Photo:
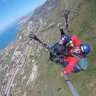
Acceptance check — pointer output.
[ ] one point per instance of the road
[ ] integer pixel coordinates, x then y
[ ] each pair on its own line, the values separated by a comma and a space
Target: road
17, 68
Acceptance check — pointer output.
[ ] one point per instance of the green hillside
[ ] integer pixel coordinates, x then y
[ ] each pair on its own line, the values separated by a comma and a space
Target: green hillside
81, 23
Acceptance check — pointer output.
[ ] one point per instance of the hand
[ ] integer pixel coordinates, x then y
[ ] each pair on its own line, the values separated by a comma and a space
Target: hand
44, 44
66, 76
62, 74
59, 25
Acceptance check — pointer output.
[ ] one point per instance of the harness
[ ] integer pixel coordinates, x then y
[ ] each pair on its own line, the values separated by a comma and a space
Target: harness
57, 49
82, 63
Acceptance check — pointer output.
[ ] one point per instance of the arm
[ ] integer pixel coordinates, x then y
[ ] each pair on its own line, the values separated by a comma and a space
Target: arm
61, 29
75, 41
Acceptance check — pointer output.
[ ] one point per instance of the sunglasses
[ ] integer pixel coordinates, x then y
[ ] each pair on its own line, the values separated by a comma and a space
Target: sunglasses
81, 48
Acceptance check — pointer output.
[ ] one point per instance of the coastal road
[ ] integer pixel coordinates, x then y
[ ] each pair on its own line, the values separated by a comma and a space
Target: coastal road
22, 61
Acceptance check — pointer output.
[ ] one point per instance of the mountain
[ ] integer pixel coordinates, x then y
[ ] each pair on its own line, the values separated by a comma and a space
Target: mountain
24, 66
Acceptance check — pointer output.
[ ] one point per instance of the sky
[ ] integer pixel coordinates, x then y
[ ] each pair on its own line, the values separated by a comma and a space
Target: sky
10, 10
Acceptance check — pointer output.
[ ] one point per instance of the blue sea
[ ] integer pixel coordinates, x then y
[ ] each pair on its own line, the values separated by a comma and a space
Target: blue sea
8, 35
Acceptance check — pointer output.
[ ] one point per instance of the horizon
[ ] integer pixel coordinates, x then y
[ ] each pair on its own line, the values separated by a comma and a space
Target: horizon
17, 20
11, 11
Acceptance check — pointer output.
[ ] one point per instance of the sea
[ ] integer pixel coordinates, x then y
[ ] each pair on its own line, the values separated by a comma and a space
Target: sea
8, 34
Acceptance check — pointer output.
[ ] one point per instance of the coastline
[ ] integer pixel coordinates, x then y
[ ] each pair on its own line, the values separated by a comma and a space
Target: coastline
8, 35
